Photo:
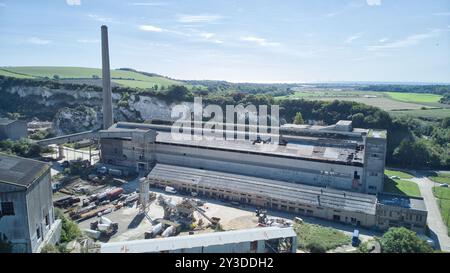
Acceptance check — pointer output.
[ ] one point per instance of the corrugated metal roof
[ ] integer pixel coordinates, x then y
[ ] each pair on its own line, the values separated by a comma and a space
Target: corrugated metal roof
20, 171
267, 188
200, 240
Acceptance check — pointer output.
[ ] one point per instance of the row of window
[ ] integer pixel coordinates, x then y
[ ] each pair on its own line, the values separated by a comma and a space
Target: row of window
408, 216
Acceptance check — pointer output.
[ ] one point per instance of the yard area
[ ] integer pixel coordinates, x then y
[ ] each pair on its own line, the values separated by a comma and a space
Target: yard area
311, 235
401, 187
440, 177
443, 199
402, 175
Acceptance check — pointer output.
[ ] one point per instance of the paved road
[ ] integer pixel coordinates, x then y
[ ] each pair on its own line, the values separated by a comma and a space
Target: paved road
435, 223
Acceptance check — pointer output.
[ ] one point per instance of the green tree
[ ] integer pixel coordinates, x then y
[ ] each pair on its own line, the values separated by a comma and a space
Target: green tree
69, 230
402, 240
179, 93
56, 77
298, 118
446, 122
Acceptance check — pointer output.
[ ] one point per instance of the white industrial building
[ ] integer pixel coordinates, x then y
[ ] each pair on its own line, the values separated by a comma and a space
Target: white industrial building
255, 240
27, 220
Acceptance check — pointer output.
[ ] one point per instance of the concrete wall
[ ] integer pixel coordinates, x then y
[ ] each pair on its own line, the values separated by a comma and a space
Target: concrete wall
15, 227
374, 163
14, 131
393, 216
30, 206
39, 203
242, 247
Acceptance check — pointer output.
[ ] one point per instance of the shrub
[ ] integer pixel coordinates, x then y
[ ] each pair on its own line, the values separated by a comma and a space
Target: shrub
69, 231
50, 249
316, 247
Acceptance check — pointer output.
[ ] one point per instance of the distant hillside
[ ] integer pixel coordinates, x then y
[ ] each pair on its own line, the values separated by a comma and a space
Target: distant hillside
128, 77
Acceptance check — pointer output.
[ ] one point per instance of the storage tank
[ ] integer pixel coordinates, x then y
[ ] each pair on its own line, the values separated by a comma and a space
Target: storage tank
168, 231
156, 230
115, 193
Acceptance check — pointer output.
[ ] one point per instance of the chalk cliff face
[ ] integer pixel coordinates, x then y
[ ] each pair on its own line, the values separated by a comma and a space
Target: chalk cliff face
76, 110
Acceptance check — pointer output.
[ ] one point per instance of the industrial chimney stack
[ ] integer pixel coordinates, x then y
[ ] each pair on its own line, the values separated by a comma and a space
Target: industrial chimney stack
106, 76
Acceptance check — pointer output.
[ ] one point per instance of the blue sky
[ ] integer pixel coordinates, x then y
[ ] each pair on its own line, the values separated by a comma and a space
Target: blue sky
236, 40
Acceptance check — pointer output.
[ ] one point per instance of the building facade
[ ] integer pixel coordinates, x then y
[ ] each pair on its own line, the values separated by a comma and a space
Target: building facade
12, 129
340, 206
401, 211
27, 219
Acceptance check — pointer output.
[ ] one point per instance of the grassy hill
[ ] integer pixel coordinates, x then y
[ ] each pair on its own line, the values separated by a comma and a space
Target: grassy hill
122, 77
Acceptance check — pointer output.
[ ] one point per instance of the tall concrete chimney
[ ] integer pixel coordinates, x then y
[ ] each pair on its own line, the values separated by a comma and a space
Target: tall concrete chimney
106, 76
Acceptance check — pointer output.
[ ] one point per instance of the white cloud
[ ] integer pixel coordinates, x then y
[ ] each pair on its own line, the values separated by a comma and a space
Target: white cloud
259, 41
100, 18
209, 37
373, 2
198, 18
38, 41
352, 38
206, 35
88, 41
152, 4
382, 40
73, 2
442, 13
150, 28
411, 40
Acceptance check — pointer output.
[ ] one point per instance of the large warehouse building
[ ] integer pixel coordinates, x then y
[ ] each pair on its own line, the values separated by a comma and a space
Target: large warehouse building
337, 156
330, 172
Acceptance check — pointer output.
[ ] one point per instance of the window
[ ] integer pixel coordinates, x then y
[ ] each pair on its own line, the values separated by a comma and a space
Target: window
47, 220
253, 245
372, 187
8, 208
38, 232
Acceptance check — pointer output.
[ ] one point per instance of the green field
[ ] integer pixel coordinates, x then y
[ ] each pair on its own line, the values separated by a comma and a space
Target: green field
401, 187
427, 113
125, 78
443, 200
402, 175
14, 75
440, 177
146, 84
414, 97
329, 238
396, 103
